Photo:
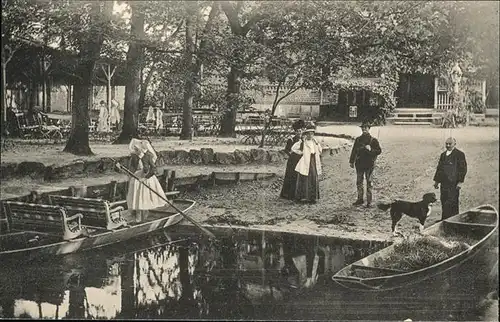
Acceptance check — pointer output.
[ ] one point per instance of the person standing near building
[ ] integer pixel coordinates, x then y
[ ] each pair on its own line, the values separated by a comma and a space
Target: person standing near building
290, 179
309, 166
114, 114
103, 123
365, 151
450, 174
159, 119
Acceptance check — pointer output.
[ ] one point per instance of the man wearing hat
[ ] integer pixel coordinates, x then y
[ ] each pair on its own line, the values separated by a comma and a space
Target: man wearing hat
363, 155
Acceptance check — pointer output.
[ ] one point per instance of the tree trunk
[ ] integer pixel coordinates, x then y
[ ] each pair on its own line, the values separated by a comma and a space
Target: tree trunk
144, 88
232, 99
33, 94
108, 88
132, 88
187, 105
68, 98
187, 111
267, 123
78, 142
39, 88
49, 94
4, 98
43, 85
232, 13
5, 60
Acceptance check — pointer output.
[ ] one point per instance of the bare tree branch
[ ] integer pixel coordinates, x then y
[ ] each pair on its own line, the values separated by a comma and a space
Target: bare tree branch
232, 17
176, 31
275, 101
251, 22
8, 54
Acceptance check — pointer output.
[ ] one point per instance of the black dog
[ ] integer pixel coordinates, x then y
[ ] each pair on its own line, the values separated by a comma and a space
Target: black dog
419, 210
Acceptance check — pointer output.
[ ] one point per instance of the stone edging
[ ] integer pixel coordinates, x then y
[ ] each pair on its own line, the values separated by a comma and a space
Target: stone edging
205, 156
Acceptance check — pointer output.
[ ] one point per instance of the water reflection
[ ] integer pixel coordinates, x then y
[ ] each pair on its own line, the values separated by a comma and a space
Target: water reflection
244, 275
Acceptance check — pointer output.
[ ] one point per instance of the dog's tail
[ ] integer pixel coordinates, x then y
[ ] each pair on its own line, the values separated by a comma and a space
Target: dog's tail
384, 206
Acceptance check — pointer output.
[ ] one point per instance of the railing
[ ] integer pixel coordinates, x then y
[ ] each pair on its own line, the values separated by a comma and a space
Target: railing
444, 101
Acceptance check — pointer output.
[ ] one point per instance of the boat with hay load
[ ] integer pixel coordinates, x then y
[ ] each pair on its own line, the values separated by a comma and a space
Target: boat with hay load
442, 247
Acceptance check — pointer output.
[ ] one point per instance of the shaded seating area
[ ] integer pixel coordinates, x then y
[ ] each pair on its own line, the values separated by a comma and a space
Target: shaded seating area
33, 124
20, 125
251, 127
48, 130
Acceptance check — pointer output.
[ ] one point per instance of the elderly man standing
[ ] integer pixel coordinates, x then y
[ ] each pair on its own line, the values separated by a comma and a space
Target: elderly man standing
450, 173
365, 150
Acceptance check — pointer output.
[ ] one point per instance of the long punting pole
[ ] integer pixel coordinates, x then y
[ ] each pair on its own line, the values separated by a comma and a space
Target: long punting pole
127, 171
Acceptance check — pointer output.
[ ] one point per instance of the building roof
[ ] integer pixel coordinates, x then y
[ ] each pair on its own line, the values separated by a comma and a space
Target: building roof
359, 82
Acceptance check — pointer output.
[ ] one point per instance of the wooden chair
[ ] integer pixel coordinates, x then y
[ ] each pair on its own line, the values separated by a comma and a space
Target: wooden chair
27, 129
96, 212
36, 217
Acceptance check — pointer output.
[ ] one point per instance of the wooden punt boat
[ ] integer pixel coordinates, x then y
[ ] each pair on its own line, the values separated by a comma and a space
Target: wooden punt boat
27, 245
479, 224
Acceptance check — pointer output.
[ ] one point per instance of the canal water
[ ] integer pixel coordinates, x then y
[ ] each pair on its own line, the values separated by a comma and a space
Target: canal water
245, 274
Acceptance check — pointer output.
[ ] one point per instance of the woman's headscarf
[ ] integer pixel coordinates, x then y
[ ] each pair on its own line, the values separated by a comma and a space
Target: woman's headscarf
149, 148
142, 146
137, 146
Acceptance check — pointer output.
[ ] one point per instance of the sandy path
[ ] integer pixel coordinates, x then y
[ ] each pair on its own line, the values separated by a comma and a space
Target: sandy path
404, 170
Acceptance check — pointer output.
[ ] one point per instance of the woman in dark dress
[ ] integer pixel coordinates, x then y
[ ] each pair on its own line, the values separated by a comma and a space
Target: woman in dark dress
308, 167
290, 180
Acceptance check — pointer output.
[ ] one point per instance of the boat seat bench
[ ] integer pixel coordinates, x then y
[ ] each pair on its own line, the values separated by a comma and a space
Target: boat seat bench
37, 217
96, 212
469, 224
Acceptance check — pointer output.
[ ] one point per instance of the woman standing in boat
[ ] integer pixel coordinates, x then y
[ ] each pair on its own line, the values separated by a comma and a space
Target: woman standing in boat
308, 167
143, 165
290, 180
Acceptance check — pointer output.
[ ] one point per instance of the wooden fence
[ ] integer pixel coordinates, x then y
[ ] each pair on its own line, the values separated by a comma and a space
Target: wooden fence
442, 101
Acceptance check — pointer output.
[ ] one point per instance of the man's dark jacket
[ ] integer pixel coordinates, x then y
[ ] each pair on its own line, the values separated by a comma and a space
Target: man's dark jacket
451, 169
360, 156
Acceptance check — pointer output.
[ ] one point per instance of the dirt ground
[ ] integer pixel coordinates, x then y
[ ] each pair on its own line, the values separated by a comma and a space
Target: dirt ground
404, 170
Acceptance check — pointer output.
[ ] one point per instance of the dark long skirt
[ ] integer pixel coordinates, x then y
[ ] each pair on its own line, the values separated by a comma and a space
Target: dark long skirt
290, 180
307, 187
